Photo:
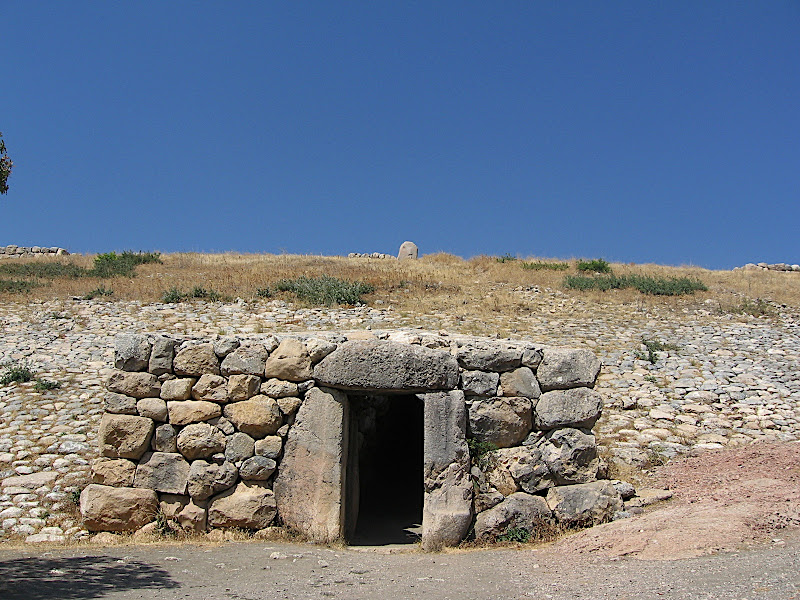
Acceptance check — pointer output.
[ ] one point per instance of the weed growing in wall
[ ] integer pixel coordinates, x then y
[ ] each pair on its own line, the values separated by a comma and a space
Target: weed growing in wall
653, 347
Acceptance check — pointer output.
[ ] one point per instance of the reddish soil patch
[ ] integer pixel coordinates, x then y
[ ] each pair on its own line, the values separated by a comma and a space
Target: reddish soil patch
723, 500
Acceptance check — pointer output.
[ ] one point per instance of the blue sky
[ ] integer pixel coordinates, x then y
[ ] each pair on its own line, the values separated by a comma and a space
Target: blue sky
664, 132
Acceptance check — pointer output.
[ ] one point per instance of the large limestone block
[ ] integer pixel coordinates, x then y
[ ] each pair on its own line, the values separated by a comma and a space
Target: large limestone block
258, 417
206, 479
197, 360
124, 436
319, 349
105, 508
136, 385
519, 510
269, 447
250, 505
520, 468
571, 455
578, 407
520, 382
200, 440
277, 388
309, 488
177, 389
447, 506
485, 355
131, 352
479, 383
165, 439
193, 517
242, 387
119, 404
289, 361
563, 368
584, 504
184, 412
116, 472
152, 408
245, 360
212, 388
240, 447
503, 421
378, 365
162, 355
408, 251
257, 468
162, 471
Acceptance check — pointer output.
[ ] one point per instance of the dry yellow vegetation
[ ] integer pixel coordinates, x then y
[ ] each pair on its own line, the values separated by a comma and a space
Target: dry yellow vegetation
478, 287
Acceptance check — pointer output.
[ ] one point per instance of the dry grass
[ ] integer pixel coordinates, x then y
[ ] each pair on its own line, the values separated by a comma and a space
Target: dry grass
437, 283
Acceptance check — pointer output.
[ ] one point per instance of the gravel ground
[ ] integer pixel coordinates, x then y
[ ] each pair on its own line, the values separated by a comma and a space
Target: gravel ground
268, 571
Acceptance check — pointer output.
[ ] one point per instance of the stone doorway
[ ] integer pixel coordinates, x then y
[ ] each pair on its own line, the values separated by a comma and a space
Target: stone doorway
385, 470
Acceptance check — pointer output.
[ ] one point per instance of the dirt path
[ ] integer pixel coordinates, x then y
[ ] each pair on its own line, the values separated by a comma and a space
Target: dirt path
731, 532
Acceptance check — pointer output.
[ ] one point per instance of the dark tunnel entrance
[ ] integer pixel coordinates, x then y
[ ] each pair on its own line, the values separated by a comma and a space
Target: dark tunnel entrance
386, 479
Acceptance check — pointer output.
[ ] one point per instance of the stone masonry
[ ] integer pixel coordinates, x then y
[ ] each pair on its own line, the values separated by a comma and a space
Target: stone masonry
254, 432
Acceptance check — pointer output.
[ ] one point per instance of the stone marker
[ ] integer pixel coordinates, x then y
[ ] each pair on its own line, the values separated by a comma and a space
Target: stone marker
408, 250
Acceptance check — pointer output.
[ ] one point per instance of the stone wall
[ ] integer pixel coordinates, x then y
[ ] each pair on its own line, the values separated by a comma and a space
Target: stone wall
12, 251
253, 433
762, 266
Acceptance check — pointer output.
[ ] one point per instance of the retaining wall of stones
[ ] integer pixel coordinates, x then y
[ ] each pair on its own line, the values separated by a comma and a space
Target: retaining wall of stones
198, 432
762, 266
24, 251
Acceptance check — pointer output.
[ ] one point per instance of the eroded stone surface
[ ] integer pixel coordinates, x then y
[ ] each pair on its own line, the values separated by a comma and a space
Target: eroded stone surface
106, 508
503, 421
563, 368
377, 365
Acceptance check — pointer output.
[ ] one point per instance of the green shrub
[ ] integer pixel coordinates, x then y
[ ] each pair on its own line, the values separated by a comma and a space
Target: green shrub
16, 373
325, 290
515, 534
203, 294
543, 266
264, 292
43, 385
44, 270
98, 292
173, 295
112, 264
657, 286
505, 258
596, 265
15, 286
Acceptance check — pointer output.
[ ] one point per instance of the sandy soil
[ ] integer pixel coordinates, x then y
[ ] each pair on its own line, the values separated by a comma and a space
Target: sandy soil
732, 531
723, 500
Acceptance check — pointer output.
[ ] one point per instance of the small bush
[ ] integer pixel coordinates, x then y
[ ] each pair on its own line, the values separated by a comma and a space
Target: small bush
520, 535
172, 296
757, 308
43, 385
44, 270
657, 286
325, 290
98, 293
112, 264
16, 373
596, 265
505, 258
652, 347
543, 266
264, 292
201, 293
15, 286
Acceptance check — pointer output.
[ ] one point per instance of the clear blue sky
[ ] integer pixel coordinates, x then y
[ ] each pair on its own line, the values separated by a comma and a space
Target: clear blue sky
663, 132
